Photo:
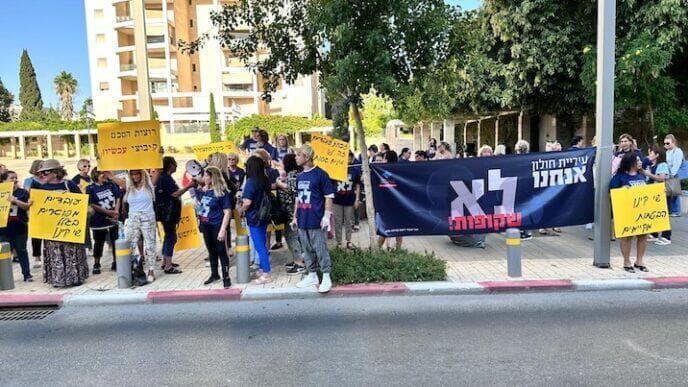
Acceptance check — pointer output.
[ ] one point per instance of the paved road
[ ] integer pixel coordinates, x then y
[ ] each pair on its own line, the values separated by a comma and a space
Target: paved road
618, 338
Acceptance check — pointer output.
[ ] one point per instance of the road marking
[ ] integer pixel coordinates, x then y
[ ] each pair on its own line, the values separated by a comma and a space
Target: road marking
643, 351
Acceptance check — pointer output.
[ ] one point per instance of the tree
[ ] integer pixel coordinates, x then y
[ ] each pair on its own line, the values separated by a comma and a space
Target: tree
29, 93
274, 125
353, 45
6, 99
86, 109
376, 112
212, 126
65, 87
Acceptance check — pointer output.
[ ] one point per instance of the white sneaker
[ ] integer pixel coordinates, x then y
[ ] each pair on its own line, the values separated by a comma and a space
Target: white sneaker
665, 241
326, 284
37, 264
651, 238
309, 280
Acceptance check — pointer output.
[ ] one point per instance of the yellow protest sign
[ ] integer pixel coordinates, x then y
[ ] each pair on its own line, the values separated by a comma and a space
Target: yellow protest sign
203, 151
129, 145
6, 190
58, 216
83, 184
188, 236
640, 210
331, 155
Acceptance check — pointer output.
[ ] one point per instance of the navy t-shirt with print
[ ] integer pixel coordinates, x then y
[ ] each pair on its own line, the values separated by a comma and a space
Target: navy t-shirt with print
237, 176
18, 220
281, 153
210, 208
103, 195
623, 179
345, 191
312, 187
249, 145
271, 150
255, 194
165, 188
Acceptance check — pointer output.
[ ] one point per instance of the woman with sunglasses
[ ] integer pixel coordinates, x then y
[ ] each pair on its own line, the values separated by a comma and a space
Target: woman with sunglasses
674, 158
65, 263
104, 198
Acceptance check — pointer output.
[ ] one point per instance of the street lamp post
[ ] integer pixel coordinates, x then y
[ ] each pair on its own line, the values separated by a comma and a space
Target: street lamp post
604, 128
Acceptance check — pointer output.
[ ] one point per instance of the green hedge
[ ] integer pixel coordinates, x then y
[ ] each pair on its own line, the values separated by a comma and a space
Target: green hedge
54, 126
274, 125
364, 266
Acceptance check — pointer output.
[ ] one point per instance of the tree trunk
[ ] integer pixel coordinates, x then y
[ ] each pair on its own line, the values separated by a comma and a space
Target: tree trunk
367, 183
651, 111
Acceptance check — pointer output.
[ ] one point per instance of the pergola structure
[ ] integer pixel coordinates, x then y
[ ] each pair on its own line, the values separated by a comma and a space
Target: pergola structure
18, 141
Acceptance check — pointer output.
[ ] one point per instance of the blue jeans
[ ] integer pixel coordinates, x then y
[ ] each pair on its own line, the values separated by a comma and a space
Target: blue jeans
17, 242
170, 239
675, 205
258, 235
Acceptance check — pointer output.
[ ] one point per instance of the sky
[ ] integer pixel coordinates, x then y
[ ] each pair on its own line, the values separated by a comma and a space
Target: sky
54, 33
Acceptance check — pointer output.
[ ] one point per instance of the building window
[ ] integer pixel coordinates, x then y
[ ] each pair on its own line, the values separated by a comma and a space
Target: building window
98, 13
195, 88
102, 62
193, 67
191, 23
190, 2
104, 86
100, 38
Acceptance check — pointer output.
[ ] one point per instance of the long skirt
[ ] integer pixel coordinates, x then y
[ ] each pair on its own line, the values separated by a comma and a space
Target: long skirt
64, 263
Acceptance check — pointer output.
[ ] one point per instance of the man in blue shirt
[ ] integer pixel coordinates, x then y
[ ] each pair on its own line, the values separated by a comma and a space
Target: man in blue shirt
312, 216
251, 144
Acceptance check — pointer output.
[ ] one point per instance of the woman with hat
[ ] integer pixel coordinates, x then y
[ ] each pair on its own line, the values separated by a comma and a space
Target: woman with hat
64, 262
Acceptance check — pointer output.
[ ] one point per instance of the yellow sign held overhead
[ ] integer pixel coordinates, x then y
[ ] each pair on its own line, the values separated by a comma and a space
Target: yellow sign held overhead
188, 236
58, 216
129, 145
331, 155
203, 151
6, 190
640, 210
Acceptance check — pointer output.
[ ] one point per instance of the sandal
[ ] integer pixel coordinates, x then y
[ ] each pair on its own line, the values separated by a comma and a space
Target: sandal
173, 270
629, 269
641, 268
262, 280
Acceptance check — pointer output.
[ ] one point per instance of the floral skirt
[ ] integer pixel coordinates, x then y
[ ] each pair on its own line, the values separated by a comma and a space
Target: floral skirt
64, 263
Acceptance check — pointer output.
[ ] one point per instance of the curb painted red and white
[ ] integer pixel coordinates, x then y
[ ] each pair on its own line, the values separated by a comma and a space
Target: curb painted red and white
356, 290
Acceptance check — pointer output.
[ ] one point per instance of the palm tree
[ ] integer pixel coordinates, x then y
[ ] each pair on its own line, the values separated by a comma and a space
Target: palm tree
65, 87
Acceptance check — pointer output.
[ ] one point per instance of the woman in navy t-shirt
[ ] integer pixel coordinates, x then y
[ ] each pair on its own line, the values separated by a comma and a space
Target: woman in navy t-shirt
104, 197
214, 210
628, 175
16, 233
257, 185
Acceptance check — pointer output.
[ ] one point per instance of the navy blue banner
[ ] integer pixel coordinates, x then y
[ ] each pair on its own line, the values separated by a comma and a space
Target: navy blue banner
484, 195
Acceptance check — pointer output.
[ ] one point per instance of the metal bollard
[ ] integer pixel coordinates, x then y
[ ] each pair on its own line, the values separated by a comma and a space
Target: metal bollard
6, 276
123, 255
242, 259
513, 252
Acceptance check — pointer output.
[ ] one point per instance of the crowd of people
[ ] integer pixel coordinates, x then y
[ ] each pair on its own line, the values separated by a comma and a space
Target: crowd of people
280, 186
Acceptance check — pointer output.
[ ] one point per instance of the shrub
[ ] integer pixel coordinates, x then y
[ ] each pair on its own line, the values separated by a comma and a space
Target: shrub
361, 266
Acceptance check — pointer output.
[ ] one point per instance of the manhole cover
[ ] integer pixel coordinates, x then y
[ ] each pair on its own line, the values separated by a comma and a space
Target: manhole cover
26, 313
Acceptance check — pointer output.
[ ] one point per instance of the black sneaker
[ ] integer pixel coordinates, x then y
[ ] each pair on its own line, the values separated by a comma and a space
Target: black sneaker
28, 279
15, 259
211, 280
526, 236
113, 267
226, 283
96, 269
289, 265
277, 246
297, 269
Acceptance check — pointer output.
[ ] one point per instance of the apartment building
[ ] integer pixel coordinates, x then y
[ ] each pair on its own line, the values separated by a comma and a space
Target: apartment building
134, 42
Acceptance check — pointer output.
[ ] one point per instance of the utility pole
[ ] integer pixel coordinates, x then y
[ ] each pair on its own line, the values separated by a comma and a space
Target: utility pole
604, 128
138, 10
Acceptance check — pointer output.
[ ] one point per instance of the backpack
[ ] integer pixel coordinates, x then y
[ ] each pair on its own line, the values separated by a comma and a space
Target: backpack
270, 211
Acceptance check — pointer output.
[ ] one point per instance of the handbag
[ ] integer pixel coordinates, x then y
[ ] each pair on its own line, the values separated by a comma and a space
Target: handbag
672, 187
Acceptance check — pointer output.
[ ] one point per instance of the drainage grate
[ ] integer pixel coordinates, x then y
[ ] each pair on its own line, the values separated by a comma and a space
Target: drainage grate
24, 313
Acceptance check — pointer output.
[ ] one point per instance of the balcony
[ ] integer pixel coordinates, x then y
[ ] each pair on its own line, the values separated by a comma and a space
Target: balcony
127, 71
124, 49
124, 22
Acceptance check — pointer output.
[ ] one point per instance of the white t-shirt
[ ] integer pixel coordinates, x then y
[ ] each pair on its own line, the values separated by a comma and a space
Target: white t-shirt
140, 200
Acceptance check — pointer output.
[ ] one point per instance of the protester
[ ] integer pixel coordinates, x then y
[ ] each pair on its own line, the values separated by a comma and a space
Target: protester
556, 146
17, 231
347, 199
251, 144
273, 175
221, 162
420, 156
555, 231
626, 145
264, 144
215, 202
235, 173
628, 175
390, 157
432, 149
577, 142
312, 216
257, 185
523, 147
283, 147
500, 150
485, 151
82, 180
405, 155
384, 148
168, 209
36, 243
444, 151
372, 152
287, 199
3, 169
140, 216
658, 172
65, 263
104, 198
674, 158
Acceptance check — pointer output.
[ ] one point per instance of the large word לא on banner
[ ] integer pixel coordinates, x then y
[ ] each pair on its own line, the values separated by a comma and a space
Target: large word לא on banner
640, 210
331, 155
484, 194
6, 190
188, 236
129, 145
203, 151
58, 216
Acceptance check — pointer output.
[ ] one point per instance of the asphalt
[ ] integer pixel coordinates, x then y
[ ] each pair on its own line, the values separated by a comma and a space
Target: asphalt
575, 338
